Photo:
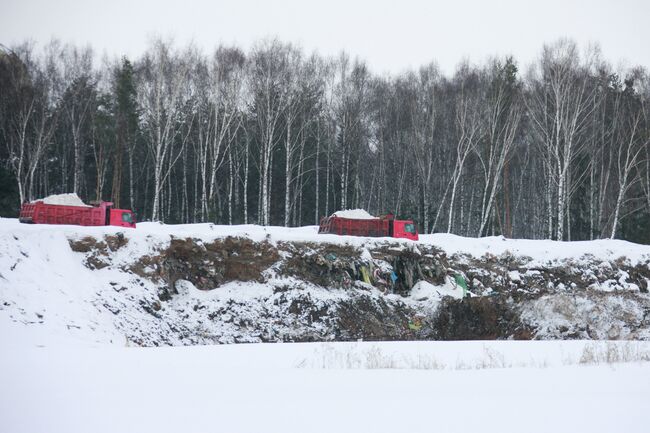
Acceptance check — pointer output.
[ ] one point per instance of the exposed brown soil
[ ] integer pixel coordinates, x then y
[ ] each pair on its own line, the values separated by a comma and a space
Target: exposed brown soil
209, 265
87, 244
96, 251
115, 242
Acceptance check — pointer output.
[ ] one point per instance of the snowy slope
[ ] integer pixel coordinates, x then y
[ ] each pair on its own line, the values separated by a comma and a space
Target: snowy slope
50, 293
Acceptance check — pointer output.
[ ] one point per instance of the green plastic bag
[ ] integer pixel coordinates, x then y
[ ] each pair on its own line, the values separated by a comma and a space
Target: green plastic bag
460, 282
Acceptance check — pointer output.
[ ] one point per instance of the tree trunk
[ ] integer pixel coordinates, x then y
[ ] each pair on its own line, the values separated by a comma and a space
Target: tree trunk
287, 177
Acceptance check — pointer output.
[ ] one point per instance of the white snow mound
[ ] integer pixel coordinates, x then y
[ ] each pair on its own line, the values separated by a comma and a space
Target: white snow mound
71, 199
355, 214
423, 289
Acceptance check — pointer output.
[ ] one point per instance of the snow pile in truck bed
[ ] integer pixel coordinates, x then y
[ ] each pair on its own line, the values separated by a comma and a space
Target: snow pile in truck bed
71, 199
354, 214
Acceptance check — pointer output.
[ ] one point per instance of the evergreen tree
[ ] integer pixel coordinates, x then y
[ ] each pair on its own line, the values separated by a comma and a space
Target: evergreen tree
126, 121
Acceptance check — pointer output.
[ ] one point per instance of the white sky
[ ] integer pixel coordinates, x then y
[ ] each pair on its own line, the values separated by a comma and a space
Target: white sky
390, 35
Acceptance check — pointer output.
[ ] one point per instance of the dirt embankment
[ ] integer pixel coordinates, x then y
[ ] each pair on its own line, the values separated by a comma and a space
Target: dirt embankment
319, 291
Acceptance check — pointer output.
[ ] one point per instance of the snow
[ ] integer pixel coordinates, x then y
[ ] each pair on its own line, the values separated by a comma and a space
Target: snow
505, 386
514, 276
71, 199
67, 366
49, 294
601, 318
539, 250
357, 214
423, 289
41, 276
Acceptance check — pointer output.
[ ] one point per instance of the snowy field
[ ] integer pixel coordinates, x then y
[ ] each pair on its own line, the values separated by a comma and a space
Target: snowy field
336, 387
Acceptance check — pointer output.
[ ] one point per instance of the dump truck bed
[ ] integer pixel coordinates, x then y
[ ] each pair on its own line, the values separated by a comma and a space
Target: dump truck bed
41, 213
355, 227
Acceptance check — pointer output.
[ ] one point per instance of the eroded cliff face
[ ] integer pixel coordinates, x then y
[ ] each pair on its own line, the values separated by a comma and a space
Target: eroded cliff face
204, 284
235, 289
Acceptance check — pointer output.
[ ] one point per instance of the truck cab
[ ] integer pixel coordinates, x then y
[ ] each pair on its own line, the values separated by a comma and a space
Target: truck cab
121, 218
405, 229
400, 228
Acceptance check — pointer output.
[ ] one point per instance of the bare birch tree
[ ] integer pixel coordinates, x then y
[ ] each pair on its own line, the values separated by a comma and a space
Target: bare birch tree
31, 116
468, 124
503, 111
78, 100
269, 82
563, 99
628, 153
161, 96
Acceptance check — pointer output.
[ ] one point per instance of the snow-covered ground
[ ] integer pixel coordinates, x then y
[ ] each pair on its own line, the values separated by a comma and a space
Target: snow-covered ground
540, 250
67, 366
328, 387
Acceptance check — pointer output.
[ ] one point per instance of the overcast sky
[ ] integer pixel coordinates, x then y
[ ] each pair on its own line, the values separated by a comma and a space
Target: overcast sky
390, 35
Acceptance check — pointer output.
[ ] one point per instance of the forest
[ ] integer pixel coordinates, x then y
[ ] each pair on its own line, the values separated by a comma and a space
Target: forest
273, 135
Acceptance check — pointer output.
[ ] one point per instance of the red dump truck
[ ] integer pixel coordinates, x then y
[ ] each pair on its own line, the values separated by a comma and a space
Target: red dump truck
100, 214
385, 225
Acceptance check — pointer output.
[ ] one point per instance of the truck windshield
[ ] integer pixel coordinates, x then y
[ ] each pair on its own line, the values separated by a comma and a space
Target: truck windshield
409, 228
126, 217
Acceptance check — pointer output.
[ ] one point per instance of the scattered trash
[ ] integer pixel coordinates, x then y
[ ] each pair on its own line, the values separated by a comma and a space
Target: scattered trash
415, 324
460, 282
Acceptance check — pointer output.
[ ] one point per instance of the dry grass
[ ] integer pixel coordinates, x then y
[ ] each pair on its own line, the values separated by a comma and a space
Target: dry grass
611, 353
350, 358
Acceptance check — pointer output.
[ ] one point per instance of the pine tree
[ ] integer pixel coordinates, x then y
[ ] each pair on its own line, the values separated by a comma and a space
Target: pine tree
125, 123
